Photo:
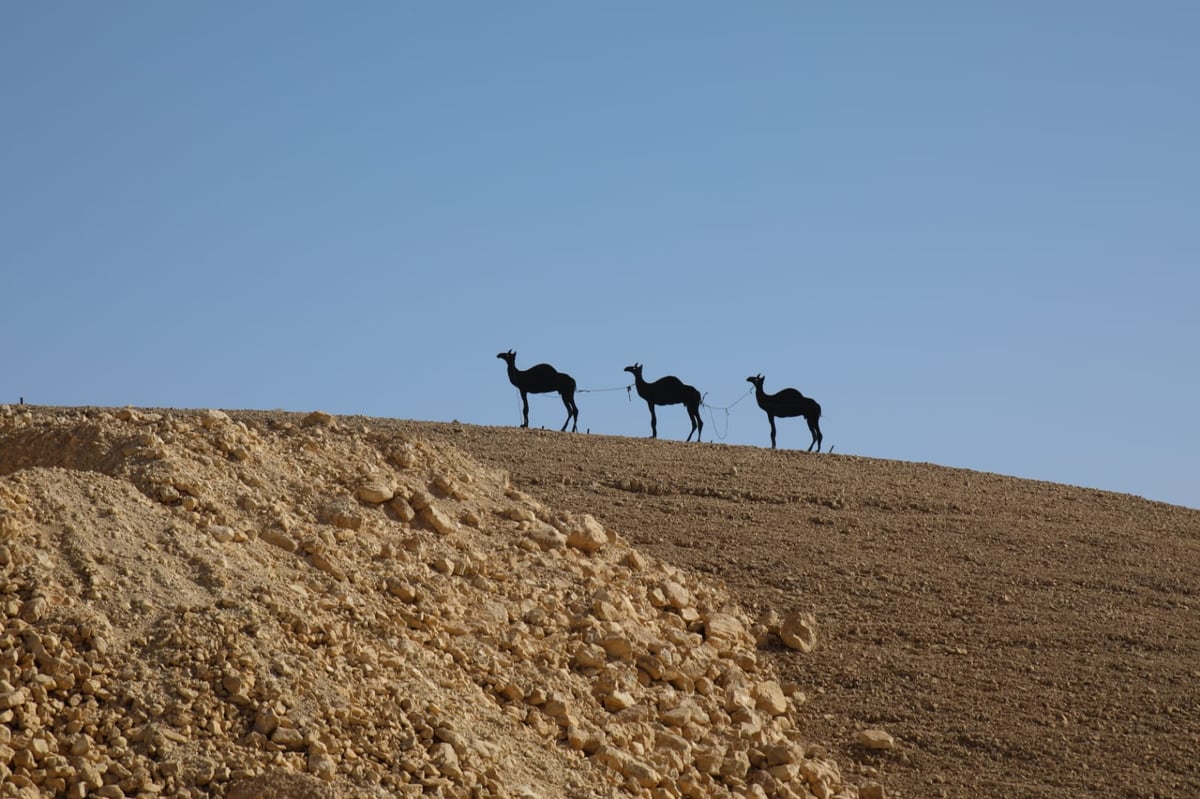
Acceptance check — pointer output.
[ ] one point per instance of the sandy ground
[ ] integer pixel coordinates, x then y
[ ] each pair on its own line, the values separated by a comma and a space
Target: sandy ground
1018, 638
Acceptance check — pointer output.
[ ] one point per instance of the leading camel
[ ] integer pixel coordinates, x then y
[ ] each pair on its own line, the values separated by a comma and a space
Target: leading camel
542, 379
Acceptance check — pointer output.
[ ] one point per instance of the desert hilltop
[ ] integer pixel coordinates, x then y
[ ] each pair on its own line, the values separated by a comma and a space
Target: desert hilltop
255, 604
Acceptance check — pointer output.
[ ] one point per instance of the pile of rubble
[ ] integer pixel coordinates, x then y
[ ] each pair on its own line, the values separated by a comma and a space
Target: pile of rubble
299, 606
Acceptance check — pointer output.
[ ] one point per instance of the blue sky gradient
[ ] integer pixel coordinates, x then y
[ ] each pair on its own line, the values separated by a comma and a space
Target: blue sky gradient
970, 232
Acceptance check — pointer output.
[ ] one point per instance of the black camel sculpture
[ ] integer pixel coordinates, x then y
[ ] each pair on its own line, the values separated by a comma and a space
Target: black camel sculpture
668, 391
542, 379
788, 402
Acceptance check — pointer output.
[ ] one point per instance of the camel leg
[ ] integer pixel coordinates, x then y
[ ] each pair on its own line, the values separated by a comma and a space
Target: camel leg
525, 409
653, 421
772, 418
572, 414
815, 429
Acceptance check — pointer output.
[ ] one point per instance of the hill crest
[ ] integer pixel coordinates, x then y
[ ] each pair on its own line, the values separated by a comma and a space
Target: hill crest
1013, 636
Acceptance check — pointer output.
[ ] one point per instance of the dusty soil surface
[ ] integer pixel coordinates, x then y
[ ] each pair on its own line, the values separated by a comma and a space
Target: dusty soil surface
1018, 638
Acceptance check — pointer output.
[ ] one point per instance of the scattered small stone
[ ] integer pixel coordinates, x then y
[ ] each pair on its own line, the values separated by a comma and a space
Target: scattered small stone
221, 533
876, 740
871, 790
317, 419
587, 534
279, 538
375, 492
799, 631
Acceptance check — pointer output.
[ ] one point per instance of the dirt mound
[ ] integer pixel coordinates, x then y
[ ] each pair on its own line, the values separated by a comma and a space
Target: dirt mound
276, 605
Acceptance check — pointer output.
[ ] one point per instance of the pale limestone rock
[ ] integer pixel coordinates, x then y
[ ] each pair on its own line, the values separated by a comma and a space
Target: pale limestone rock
403, 455
738, 697
618, 700
876, 740
404, 511
557, 706
799, 631
735, 764
822, 776
521, 514
221, 533
317, 419
322, 766
587, 741
590, 656
652, 665
871, 790
289, 738
13, 698
439, 521
450, 487
326, 563
604, 610
627, 765
587, 534
617, 647
782, 754
212, 418
34, 610
724, 631
770, 699
546, 536
420, 500
401, 589
669, 740
493, 615
375, 492
677, 597
682, 716
266, 721
279, 538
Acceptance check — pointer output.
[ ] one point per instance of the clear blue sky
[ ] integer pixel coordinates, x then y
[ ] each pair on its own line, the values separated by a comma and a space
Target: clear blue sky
969, 230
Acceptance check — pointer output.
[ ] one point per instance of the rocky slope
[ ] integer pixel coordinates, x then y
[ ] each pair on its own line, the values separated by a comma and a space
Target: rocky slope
202, 604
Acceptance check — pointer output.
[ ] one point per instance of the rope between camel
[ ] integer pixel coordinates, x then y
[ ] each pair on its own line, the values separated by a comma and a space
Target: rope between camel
627, 389
726, 408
